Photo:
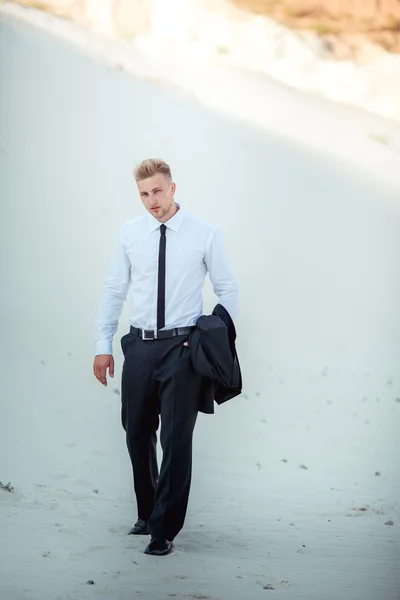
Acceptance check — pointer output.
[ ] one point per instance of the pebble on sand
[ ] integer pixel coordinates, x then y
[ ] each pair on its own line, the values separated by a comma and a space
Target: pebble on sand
90, 582
389, 523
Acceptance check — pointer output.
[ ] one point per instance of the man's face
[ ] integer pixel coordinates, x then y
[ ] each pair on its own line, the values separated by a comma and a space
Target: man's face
157, 194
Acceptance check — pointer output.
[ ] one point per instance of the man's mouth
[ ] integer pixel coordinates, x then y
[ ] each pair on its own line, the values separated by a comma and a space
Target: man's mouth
154, 208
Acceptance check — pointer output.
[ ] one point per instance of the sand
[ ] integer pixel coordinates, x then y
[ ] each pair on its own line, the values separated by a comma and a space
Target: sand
296, 482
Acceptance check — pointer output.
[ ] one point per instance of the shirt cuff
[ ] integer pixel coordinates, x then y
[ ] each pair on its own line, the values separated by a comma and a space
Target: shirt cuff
104, 348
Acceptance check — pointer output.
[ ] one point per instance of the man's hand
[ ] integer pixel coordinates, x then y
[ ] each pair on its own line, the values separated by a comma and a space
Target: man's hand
102, 362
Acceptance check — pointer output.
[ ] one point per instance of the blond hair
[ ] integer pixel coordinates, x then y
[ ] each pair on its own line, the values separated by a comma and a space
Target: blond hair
150, 167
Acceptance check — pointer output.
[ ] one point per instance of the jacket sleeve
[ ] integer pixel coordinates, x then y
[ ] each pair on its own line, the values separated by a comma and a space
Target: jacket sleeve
221, 273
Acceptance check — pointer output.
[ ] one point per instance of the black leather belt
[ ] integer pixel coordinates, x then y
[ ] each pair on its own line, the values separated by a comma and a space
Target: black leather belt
163, 334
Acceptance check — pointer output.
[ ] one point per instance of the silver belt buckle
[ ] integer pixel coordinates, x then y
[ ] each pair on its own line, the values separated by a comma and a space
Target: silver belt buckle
153, 334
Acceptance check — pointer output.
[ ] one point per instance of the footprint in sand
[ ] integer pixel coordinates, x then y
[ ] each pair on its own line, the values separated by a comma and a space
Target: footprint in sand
201, 597
97, 453
71, 511
83, 483
98, 548
268, 585
60, 476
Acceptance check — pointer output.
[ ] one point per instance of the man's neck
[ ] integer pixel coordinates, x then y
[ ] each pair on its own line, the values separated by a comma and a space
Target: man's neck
167, 217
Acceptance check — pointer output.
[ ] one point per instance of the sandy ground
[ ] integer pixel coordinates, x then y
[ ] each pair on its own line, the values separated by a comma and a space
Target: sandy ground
296, 482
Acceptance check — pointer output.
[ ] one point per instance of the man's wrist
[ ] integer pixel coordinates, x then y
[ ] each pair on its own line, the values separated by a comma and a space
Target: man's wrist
104, 347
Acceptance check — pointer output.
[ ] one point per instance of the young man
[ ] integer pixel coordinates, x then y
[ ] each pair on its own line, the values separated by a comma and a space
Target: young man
165, 254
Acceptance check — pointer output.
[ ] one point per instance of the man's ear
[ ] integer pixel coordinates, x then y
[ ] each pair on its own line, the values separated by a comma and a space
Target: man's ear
173, 188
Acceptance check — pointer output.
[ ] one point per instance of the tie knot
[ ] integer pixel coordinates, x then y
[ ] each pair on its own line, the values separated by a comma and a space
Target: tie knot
162, 229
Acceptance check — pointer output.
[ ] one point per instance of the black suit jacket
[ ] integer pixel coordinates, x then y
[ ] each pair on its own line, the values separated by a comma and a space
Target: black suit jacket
213, 355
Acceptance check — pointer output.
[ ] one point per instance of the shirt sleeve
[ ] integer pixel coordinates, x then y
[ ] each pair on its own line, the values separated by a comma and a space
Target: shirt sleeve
221, 273
115, 291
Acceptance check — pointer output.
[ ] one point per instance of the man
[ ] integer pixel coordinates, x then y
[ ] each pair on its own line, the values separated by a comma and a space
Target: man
165, 255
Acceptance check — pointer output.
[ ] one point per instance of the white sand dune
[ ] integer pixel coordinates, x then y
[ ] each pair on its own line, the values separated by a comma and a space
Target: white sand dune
295, 481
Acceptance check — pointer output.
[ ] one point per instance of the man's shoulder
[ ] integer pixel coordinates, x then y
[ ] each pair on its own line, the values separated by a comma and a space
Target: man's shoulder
133, 225
200, 223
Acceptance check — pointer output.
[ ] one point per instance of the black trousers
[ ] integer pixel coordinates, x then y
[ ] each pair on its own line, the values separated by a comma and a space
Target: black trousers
158, 381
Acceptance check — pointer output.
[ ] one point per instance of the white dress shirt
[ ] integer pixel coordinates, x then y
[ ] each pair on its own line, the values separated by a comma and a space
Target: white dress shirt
193, 247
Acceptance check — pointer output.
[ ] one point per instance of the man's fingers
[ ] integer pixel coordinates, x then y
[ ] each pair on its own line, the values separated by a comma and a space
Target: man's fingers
186, 344
101, 375
100, 366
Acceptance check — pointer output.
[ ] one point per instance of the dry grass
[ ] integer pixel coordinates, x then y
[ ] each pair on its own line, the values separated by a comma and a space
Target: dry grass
381, 138
65, 11
338, 19
327, 18
393, 23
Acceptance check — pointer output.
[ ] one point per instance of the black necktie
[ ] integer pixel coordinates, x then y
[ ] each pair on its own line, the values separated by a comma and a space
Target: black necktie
161, 279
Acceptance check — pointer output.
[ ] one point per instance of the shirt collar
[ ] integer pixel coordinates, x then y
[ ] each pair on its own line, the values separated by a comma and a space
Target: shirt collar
172, 223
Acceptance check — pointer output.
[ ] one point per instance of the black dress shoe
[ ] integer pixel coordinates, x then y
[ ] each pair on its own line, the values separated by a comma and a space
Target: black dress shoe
158, 547
140, 528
